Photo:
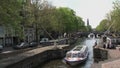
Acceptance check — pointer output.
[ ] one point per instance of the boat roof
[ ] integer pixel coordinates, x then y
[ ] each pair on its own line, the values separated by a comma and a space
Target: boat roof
78, 49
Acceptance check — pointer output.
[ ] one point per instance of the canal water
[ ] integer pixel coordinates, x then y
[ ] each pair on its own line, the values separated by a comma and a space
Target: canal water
59, 63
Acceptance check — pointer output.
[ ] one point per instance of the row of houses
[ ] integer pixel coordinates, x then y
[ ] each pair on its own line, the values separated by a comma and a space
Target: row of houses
9, 38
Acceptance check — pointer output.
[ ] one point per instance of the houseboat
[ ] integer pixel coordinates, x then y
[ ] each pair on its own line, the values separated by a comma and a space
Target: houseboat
77, 55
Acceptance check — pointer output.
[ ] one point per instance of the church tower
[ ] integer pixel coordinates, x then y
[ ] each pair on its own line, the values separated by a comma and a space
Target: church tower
88, 22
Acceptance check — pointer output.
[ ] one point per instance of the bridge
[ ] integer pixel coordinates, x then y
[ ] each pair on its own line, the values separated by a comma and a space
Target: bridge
85, 34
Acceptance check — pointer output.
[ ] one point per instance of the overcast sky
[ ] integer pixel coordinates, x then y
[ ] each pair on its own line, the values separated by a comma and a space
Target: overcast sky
95, 10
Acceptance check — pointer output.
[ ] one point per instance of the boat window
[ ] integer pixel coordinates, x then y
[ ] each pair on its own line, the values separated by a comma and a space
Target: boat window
77, 48
68, 55
75, 55
81, 55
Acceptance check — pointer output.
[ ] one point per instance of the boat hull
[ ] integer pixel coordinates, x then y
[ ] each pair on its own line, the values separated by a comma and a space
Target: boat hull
73, 63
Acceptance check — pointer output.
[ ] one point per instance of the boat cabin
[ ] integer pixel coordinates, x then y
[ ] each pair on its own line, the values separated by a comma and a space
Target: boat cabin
77, 52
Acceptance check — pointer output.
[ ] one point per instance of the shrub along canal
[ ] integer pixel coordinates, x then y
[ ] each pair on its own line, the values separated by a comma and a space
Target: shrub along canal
59, 63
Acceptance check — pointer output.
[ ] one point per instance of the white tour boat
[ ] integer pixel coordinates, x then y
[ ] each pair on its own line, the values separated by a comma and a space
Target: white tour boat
77, 55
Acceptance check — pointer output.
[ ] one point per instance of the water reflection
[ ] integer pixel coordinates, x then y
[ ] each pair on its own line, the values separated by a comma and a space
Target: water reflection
59, 64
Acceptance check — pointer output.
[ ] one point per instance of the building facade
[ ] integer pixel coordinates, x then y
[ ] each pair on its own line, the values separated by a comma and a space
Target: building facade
8, 37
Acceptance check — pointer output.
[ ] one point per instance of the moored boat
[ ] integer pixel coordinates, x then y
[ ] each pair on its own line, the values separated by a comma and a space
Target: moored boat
77, 55
91, 35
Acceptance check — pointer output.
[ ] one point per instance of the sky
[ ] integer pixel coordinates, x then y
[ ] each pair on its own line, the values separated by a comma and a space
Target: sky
94, 10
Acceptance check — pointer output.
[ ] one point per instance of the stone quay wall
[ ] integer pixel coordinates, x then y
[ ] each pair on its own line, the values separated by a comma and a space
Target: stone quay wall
100, 54
35, 57
39, 59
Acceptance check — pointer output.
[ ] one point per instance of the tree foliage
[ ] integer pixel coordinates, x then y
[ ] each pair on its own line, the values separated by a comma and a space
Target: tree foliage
112, 22
10, 17
115, 16
103, 25
40, 15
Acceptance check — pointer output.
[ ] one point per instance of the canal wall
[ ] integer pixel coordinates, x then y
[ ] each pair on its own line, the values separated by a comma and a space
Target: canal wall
100, 54
39, 59
36, 57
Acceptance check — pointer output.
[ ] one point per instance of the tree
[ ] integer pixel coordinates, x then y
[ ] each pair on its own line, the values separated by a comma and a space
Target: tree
115, 16
9, 12
67, 19
103, 25
112, 22
40, 15
81, 24
9, 15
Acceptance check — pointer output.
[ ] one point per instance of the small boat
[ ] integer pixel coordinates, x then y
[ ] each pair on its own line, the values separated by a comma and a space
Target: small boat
91, 35
77, 55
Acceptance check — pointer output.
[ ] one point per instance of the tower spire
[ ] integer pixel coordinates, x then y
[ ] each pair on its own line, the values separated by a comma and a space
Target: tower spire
88, 22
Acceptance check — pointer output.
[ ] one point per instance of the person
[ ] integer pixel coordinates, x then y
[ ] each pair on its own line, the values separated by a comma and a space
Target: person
104, 46
108, 45
96, 43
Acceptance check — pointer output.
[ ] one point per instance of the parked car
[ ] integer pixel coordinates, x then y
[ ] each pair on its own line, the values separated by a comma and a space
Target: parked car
21, 45
45, 41
1, 48
33, 44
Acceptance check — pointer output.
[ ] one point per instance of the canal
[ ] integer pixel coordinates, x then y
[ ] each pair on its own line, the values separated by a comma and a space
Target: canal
59, 63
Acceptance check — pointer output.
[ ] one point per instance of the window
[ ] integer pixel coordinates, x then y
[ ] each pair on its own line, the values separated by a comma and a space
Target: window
75, 55
68, 55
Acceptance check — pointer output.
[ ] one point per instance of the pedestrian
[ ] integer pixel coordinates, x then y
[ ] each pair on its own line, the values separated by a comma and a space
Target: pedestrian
108, 46
96, 43
104, 46
119, 49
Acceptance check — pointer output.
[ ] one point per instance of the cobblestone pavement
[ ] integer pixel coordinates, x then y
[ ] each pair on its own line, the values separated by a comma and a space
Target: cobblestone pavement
114, 54
112, 62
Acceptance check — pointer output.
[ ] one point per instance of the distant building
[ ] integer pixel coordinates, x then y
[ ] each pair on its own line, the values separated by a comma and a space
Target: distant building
88, 22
